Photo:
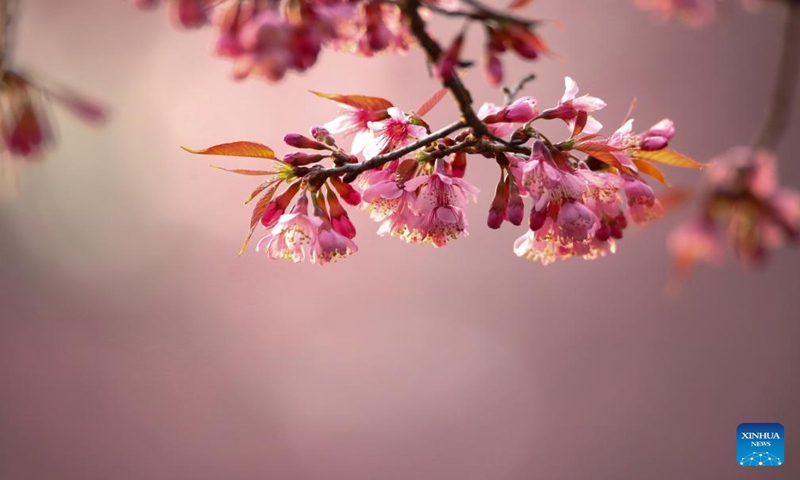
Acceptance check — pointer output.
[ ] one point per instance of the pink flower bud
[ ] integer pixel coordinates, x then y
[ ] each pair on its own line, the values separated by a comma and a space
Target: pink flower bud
189, 13
448, 61
494, 69
346, 191
537, 219
516, 208
299, 159
301, 141
653, 143
496, 218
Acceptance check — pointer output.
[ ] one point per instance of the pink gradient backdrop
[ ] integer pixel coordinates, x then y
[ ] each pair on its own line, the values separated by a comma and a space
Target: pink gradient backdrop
134, 344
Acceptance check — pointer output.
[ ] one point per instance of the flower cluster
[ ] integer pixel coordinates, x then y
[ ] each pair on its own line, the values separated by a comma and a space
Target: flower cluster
582, 192
745, 209
268, 38
695, 13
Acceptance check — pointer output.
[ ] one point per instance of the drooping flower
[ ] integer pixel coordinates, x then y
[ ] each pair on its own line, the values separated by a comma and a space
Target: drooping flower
294, 236
331, 245
440, 207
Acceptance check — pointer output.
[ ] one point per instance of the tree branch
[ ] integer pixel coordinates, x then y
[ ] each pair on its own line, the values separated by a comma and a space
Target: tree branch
377, 161
779, 110
433, 51
5, 26
511, 93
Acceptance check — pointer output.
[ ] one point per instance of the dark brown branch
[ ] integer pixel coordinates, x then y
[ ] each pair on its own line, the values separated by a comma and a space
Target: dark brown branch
377, 161
433, 51
780, 107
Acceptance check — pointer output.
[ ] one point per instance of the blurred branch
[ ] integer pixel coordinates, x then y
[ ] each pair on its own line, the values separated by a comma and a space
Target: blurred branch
780, 107
433, 51
511, 93
5, 25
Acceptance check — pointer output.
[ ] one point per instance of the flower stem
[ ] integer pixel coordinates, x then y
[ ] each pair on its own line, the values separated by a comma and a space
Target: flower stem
780, 107
433, 50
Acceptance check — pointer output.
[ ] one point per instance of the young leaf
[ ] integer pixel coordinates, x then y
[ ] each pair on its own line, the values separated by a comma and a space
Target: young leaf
650, 169
244, 171
237, 149
258, 212
360, 102
263, 187
517, 4
669, 157
431, 102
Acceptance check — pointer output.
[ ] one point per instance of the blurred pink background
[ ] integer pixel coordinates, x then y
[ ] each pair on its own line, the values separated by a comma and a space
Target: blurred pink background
135, 344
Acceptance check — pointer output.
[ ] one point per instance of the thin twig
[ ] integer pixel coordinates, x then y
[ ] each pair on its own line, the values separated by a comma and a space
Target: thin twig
779, 111
377, 161
433, 50
484, 12
511, 93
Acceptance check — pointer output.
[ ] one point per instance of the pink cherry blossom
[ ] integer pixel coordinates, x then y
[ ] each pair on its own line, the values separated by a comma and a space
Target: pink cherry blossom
571, 105
330, 245
440, 208
355, 122
294, 235
392, 133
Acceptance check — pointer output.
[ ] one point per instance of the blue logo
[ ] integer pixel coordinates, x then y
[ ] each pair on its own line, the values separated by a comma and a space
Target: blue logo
759, 445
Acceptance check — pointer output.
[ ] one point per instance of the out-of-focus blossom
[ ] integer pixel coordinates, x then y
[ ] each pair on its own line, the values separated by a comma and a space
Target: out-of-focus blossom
25, 130
744, 207
187, 13
694, 13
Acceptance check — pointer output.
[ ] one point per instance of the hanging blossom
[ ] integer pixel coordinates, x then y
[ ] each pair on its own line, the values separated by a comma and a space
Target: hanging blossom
578, 195
25, 130
746, 212
694, 13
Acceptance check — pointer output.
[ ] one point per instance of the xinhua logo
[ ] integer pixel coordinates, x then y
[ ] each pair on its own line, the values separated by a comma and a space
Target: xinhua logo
759, 444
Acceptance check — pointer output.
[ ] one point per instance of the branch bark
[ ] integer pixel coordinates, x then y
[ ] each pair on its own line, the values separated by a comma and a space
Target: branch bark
779, 110
375, 162
433, 51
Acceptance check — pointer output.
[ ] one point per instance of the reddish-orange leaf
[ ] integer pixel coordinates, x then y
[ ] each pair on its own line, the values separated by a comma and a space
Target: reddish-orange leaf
674, 197
244, 171
361, 102
670, 157
517, 4
258, 212
431, 102
237, 149
602, 152
650, 169
596, 147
